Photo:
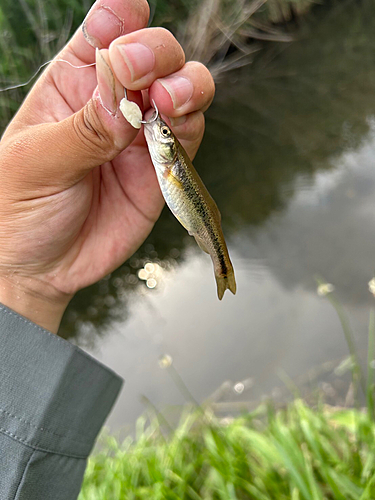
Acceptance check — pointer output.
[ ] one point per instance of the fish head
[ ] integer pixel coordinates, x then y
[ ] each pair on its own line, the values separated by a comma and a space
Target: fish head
161, 141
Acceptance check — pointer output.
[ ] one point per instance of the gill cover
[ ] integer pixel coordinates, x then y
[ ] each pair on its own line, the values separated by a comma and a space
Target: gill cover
160, 140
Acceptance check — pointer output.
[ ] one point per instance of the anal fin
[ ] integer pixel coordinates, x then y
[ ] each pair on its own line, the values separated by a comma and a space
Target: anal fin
201, 243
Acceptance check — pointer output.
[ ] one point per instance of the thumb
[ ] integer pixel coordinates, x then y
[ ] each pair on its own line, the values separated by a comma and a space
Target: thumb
99, 132
62, 153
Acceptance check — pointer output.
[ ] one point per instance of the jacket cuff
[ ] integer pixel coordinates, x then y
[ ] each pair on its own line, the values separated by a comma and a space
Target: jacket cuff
54, 397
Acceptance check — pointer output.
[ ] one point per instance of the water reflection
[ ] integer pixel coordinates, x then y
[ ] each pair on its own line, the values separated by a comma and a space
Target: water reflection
288, 155
329, 230
94, 309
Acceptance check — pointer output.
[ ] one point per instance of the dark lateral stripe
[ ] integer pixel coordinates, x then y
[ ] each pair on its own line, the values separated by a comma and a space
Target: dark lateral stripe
217, 246
201, 208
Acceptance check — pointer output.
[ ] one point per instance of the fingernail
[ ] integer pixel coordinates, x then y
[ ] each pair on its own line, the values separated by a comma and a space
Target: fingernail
101, 26
179, 120
179, 88
106, 82
139, 59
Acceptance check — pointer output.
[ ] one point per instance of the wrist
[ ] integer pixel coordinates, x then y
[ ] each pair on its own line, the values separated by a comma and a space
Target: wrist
34, 299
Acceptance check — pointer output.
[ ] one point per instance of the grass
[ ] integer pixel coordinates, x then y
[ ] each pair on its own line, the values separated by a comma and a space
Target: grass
297, 452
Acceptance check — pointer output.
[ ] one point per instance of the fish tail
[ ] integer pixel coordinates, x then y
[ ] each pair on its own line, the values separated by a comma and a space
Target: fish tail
225, 282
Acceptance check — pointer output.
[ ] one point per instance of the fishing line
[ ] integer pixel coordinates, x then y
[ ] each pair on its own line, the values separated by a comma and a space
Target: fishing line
12, 87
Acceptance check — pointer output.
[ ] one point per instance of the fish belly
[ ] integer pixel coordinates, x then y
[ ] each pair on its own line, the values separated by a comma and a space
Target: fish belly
179, 203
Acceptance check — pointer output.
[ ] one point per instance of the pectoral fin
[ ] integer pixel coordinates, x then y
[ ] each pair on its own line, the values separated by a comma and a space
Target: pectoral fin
201, 243
172, 178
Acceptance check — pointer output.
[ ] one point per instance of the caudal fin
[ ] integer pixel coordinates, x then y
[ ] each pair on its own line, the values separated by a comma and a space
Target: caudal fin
225, 282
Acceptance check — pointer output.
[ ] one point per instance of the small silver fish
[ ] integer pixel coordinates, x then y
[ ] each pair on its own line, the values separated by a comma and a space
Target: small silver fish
188, 198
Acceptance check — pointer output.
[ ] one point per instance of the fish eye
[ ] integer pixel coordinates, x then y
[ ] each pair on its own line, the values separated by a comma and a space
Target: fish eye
165, 131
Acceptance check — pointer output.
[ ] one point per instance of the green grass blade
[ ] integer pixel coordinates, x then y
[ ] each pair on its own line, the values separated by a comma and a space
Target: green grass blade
370, 369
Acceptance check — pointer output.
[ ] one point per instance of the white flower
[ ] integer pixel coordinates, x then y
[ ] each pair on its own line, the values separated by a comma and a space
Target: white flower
165, 361
324, 289
371, 286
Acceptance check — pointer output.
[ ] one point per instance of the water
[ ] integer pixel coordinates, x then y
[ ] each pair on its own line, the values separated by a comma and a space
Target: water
289, 156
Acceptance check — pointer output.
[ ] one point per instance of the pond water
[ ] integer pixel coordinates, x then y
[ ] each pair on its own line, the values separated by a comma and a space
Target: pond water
289, 156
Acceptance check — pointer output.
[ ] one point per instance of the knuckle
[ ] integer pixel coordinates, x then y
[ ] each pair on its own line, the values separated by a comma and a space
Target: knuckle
165, 33
91, 133
210, 84
168, 39
204, 76
143, 9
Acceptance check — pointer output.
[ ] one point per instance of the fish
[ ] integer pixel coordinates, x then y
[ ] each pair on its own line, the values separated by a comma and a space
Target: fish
188, 198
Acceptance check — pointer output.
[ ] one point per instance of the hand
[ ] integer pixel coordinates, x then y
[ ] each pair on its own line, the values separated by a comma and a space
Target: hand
79, 193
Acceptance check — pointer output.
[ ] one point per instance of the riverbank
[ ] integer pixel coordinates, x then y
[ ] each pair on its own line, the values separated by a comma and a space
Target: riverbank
294, 453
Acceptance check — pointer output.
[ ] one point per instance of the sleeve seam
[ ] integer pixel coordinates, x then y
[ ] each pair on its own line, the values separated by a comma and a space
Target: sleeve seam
41, 428
38, 448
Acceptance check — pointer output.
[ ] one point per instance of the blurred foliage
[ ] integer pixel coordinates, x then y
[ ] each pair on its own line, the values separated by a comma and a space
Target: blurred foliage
298, 453
33, 31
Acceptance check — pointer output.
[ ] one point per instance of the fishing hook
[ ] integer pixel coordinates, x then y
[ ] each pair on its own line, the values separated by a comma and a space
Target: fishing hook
156, 114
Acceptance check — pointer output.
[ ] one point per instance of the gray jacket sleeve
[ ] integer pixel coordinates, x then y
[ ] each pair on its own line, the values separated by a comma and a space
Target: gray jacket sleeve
54, 399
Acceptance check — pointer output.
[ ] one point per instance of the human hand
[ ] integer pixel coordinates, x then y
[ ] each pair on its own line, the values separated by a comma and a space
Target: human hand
79, 192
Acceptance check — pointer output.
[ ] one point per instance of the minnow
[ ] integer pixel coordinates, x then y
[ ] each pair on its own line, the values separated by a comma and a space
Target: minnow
188, 198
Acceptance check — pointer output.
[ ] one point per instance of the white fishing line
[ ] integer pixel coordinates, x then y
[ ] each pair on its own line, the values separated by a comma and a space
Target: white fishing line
130, 110
19, 85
